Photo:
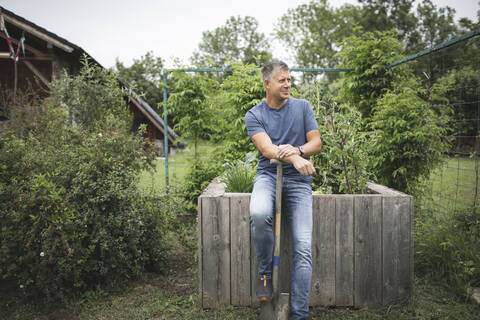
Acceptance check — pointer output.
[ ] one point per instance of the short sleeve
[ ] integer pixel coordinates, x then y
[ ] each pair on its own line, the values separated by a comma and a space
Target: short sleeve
310, 120
253, 125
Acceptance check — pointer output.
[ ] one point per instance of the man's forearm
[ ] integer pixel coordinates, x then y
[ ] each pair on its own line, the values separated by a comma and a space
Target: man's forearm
312, 147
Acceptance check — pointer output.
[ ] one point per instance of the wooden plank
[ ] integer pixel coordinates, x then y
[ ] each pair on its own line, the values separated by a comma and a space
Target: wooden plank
344, 251
200, 250
397, 248
368, 251
37, 33
37, 72
405, 285
383, 190
253, 273
240, 250
216, 251
323, 251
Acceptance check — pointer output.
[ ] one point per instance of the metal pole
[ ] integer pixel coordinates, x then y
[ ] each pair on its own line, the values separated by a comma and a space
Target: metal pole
165, 126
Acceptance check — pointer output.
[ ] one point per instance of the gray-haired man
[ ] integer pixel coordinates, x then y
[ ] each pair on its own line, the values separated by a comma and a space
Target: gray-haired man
283, 128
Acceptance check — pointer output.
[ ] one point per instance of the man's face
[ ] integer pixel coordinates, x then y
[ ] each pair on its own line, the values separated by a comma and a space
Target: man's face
279, 86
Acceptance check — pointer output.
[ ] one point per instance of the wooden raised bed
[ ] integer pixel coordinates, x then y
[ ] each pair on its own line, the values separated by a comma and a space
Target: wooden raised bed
362, 249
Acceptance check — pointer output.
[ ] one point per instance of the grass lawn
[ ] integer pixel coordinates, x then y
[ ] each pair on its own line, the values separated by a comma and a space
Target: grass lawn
453, 184
178, 165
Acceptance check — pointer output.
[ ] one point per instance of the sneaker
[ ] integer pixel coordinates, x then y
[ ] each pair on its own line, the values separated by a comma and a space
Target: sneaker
264, 289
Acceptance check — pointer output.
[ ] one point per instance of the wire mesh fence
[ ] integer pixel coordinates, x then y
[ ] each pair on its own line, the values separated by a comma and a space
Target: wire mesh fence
451, 76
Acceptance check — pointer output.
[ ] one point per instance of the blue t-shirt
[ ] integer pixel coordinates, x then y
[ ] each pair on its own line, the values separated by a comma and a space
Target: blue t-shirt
287, 125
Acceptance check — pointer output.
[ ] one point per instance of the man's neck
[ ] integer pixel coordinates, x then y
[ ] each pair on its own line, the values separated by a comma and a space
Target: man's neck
275, 103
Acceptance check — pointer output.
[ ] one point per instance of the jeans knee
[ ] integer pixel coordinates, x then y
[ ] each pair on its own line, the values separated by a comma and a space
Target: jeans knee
303, 253
259, 218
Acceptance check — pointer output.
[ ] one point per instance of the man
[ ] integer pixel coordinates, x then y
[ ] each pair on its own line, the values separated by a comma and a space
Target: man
283, 128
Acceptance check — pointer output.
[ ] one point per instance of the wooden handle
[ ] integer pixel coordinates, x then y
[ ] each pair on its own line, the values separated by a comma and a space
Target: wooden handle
275, 161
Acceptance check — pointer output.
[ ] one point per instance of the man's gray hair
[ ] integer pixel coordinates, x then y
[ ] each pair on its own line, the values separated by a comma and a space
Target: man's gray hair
270, 68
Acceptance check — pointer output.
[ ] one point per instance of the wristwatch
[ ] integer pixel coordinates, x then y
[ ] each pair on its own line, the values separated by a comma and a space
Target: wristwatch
302, 152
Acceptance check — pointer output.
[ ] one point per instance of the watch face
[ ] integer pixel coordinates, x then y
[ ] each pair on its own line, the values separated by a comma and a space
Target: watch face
301, 151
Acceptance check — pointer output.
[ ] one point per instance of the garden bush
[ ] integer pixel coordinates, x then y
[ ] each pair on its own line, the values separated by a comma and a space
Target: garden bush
72, 218
343, 164
447, 247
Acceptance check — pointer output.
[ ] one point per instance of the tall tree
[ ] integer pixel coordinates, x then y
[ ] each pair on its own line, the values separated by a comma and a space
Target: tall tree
311, 31
435, 24
236, 41
145, 75
383, 15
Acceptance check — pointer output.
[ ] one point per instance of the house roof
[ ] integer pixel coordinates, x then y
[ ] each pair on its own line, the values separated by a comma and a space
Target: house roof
71, 48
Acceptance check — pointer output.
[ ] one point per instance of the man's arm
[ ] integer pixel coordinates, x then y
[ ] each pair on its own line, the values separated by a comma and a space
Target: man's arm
264, 144
313, 146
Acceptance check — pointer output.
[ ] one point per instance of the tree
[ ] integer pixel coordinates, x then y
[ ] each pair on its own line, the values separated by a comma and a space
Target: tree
145, 76
236, 41
92, 96
384, 15
243, 90
435, 25
189, 106
312, 29
368, 58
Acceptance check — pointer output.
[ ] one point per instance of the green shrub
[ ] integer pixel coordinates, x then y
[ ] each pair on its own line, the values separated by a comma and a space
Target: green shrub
368, 57
447, 247
200, 174
71, 216
343, 163
242, 90
409, 144
239, 177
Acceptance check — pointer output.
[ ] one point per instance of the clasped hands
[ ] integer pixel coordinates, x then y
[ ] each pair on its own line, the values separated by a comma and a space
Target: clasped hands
303, 166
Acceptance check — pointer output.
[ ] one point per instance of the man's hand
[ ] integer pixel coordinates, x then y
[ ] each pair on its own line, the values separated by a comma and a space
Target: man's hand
303, 166
286, 150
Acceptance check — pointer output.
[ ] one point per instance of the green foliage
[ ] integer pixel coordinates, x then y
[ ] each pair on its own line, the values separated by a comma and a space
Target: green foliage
391, 15
447, 247
436, 25
368, 57
239, 176
92, 95
242, 90
145, 76
311, 30
200, 174
71, 216
344, 161
189, 106
236, 41
410, 143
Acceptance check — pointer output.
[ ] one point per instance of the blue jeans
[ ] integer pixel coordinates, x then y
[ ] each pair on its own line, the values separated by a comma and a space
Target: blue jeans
297, 206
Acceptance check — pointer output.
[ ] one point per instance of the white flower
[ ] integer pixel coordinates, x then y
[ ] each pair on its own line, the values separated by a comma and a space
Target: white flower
21, 286
100, 135
42, 254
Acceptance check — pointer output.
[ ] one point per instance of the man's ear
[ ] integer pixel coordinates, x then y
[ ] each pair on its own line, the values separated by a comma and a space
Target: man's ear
266, 83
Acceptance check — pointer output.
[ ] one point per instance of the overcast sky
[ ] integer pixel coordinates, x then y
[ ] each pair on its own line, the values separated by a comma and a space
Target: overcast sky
126, 29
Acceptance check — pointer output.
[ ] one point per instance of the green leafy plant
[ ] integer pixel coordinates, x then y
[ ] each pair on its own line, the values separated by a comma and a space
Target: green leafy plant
189, 106
447, 247
368, 57
410, 143
239, 176
344, 161
242, 90
72, 218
